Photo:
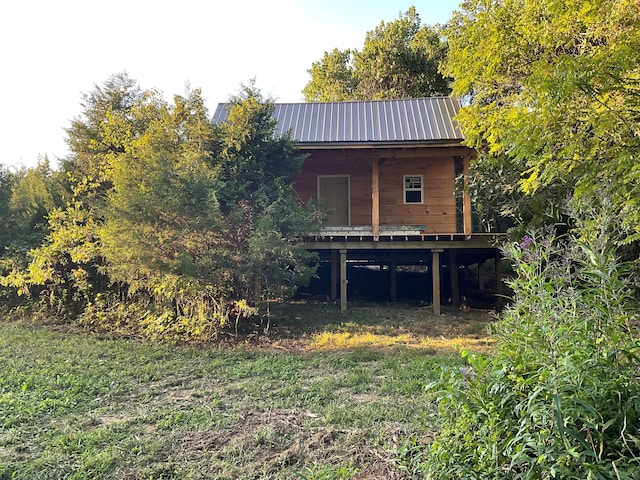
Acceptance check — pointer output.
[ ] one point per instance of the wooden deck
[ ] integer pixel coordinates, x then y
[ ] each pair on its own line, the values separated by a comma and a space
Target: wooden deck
357, 244
397, 237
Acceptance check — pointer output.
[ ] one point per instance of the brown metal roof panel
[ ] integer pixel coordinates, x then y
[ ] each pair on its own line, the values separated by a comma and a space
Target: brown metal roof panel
408, 120
384, 121
432, 120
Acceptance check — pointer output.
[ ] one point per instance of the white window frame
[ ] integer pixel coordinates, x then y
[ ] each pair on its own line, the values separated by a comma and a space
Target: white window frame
420, 189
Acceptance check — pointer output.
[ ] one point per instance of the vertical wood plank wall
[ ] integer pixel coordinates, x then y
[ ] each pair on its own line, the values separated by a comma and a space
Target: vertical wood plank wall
437, 213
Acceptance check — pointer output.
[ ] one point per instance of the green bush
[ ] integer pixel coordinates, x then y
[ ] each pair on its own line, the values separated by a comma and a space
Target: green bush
561, 396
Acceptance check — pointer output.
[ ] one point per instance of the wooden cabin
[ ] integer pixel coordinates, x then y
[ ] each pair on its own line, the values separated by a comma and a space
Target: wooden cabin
385, 174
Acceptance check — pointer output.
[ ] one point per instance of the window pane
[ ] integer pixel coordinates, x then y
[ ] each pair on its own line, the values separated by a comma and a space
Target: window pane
412, 183
413, 196
413, 189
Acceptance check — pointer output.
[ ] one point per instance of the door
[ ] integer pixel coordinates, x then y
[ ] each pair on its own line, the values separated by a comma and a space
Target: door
333, 191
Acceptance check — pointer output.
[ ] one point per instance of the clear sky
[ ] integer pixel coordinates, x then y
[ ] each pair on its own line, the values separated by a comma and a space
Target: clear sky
51, 51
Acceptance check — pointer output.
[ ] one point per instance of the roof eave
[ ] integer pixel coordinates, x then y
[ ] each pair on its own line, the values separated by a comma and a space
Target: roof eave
355, 145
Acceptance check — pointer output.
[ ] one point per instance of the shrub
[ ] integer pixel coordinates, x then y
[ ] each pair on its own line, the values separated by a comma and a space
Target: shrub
561, 396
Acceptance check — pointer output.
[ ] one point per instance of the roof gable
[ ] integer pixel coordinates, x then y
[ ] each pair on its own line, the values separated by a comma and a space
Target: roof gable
405, 121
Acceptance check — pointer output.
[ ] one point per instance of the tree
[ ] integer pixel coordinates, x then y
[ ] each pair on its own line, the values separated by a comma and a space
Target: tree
36, 192
173, 225
332, 78
93, 141
400, 59
554, 94
27, 196
203, 220
67, 270
7, 180
256, 195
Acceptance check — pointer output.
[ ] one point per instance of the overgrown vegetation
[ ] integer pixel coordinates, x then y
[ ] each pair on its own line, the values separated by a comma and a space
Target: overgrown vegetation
553, 94
561, 396
173, 227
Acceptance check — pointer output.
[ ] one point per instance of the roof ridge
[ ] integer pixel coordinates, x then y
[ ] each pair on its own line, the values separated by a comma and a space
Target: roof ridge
380, 100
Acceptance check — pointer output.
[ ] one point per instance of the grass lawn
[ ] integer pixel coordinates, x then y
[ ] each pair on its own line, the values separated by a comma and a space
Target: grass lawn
321, 395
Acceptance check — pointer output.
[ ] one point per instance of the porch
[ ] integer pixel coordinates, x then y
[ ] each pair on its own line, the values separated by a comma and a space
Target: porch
400, 245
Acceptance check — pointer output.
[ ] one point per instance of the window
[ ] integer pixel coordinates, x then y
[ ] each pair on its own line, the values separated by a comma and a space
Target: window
413, 189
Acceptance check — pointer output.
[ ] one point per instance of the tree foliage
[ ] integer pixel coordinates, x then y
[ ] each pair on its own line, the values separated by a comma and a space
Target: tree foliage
174, 226
27, 195
554, 92
399, 59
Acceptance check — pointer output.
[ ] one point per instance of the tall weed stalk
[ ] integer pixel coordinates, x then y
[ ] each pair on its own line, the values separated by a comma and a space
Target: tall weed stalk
561, 396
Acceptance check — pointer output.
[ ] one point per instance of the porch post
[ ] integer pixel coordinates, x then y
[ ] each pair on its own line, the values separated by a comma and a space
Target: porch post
435, 272
466, 198
375, 199
343, 279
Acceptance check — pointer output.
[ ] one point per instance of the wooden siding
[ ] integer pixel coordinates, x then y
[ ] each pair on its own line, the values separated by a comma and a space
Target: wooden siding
438, 211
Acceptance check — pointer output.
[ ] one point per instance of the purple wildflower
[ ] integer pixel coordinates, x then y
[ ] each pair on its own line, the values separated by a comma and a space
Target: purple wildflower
526, 241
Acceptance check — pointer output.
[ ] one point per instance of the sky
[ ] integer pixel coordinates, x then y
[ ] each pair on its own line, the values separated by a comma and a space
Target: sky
51, 52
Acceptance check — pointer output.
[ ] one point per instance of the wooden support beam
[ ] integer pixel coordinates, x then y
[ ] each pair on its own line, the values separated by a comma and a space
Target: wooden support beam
334, 275
466, 198
375, 198
453, 277
435, 272
343, 280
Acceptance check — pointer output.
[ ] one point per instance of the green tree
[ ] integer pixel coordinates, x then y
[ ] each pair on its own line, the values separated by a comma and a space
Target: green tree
553, 90
399, 59
36, 192
332, 78
27, 196
67, 270
7, 180
173, 225
256, 195
97, 135
203, 220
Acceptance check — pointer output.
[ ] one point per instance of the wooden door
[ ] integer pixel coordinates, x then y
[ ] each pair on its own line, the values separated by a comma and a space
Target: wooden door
333, 191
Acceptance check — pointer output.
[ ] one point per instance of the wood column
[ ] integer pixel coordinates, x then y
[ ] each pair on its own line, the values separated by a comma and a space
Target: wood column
435, 272
453, 276
466, 198
375, 198
343, 279
334, 275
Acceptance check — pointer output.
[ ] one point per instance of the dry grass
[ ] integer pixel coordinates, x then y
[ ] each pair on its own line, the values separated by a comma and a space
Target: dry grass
311, 325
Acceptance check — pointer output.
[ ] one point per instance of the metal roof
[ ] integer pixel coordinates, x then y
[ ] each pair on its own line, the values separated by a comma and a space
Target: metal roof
406, 121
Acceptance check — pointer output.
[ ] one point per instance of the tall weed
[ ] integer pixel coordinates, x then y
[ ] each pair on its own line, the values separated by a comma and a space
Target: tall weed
561, 397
